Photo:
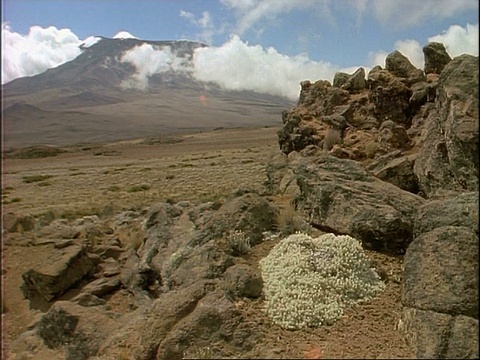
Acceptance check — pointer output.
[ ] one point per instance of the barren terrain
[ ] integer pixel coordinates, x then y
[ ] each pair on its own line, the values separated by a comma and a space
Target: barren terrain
106, 179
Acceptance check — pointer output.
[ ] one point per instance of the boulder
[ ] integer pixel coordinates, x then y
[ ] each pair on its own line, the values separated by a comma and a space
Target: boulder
215, 320
390, 97
340, 196
78, 329
86, 300
356, 82
447, 161
242, 280
441, 272
249, 213
340, 78
461, 210
436, 58
398, 171
400, 66
180, 319
17, 223
394, 135
53, 279
434, 335
102, 286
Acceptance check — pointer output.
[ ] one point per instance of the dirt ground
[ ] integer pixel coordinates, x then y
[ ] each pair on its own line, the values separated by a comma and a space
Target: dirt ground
113, 177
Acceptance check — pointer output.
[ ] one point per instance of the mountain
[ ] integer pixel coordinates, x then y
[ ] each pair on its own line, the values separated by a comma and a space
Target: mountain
98, 97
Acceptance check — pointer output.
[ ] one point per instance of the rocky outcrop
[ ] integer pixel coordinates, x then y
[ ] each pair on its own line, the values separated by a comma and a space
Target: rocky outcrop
447, 161
181, 281
53, 279
401, 67
354, 104
436, 58
416, 134
340, 196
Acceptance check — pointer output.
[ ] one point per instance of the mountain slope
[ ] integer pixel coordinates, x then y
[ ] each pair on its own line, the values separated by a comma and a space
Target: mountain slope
87, 100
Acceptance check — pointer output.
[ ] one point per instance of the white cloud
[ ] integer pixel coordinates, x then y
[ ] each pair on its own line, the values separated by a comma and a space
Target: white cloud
406, 13
236, 65
412, 50
124, 35
39, 50
459, 40
150, 60
205, 23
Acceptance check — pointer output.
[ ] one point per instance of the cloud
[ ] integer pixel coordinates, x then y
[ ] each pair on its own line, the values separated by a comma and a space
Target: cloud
124, 35
406, 13
205, 23
236, 65
39, 50
457, 40
250, 12
150, 60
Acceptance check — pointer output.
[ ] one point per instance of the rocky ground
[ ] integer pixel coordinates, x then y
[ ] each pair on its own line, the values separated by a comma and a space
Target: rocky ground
201, 167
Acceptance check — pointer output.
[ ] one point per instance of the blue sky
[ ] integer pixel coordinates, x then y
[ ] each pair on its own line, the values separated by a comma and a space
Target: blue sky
342, 33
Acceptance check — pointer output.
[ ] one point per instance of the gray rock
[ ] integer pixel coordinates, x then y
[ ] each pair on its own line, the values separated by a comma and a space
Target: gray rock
447, 162
102, 286
400, 66
426, 332
463, 342
339, 195
356, 82
340, 78
243, 281
51, 280
399, 172
86, 300
436, 57
441, 272
78, 329
461, 210
434, 335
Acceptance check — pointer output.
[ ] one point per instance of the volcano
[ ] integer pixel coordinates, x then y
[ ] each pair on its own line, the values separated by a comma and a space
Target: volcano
92, 99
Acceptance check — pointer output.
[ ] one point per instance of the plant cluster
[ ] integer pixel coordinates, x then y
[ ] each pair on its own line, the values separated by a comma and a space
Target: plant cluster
310, 281
238, 242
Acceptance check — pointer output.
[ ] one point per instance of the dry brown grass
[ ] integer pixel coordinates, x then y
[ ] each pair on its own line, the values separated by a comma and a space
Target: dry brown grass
204, 166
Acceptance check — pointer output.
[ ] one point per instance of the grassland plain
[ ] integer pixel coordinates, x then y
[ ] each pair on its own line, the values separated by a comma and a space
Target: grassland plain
105, 179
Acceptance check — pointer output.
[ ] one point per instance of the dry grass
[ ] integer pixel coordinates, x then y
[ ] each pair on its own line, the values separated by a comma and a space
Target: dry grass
142, 175
288, 221
332, 137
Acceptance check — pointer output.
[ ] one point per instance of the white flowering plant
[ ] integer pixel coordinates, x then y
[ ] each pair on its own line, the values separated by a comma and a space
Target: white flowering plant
308, 282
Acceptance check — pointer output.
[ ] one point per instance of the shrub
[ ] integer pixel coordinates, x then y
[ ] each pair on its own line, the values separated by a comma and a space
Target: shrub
238, 242
309, 281
288, 222
332, 137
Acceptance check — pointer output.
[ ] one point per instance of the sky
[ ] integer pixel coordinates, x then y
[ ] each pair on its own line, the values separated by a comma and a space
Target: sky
261, 45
